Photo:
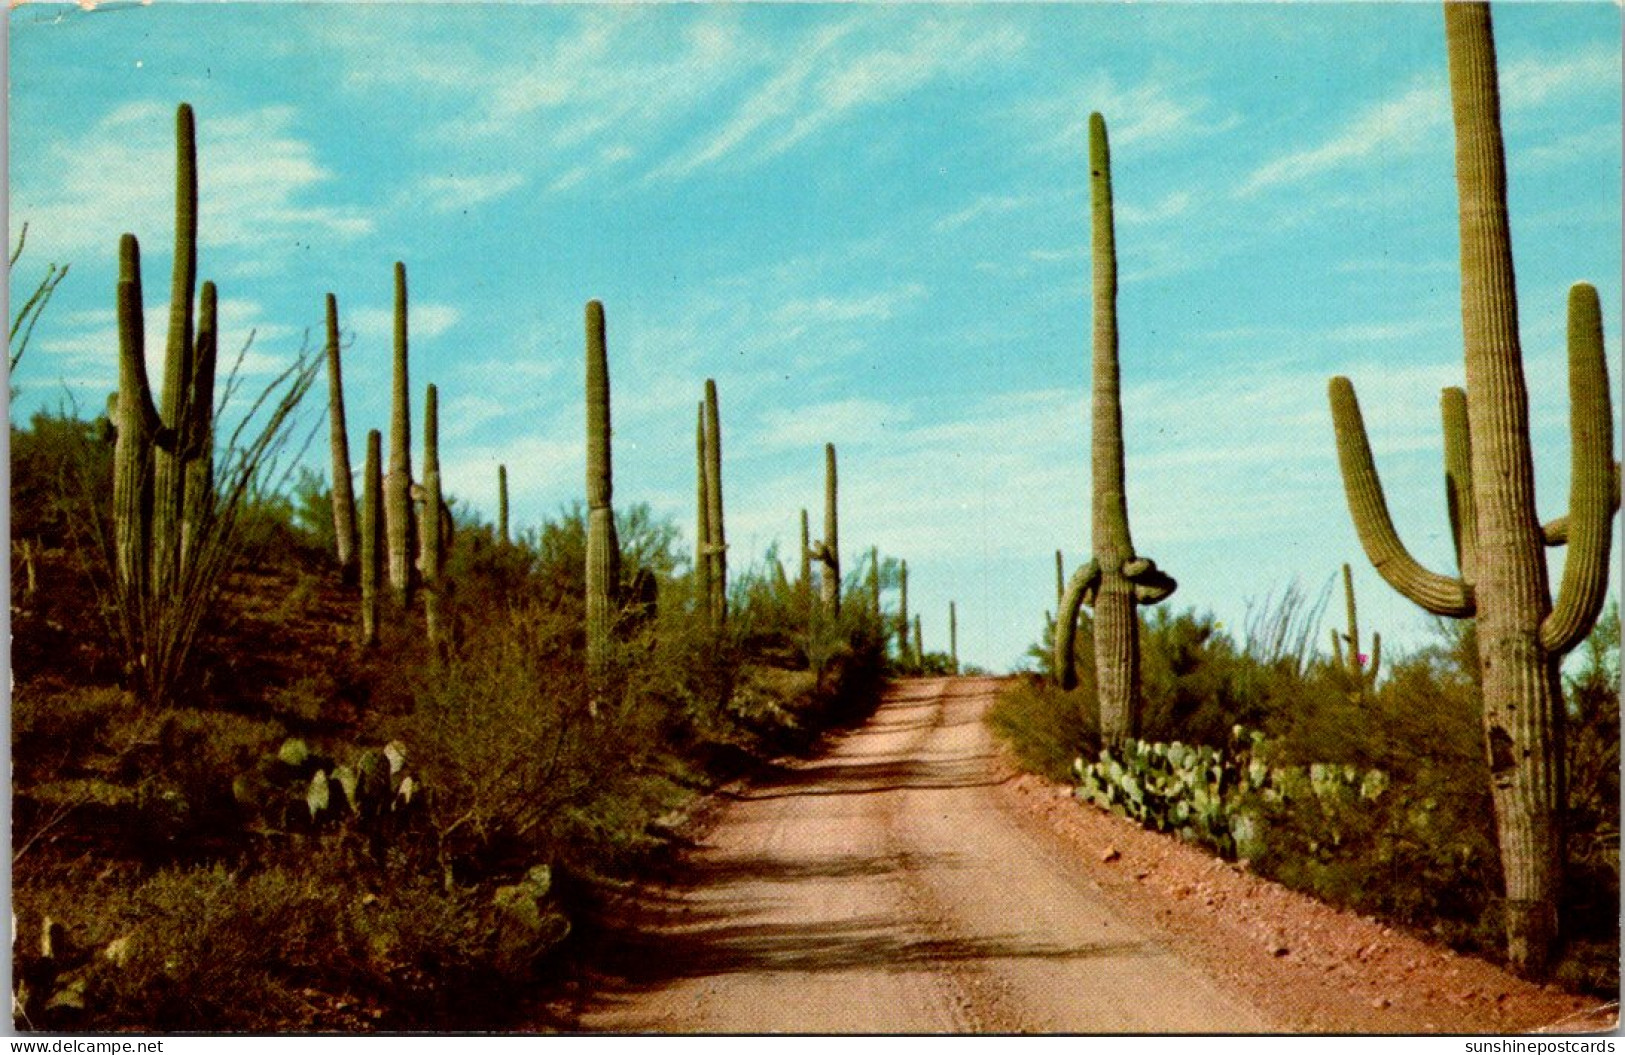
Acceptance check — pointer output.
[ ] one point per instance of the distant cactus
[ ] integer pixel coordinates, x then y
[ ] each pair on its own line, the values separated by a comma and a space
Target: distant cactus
398, 524
919, 640
502, 504
1360, 669
1115, 581
1060, 579
828, 550
434, 542
902, 611
344, 529
372, 537
603, 550
1522, 635
804, 584
874, 582
953, 637
716, 543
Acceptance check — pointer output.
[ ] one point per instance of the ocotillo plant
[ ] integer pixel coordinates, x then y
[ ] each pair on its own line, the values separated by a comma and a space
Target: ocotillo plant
372, 537
1115, 580
1522, 634
953, 637
433, 541
1360, 669
502, 504
398, 484
716, 543
603, 550
828, 550
702, 522
343, 489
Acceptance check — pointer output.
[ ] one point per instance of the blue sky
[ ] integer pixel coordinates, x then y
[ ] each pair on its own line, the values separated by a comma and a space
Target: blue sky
869, 224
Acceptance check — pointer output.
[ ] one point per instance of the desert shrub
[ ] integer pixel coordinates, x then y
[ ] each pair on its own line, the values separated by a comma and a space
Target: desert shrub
1045, 727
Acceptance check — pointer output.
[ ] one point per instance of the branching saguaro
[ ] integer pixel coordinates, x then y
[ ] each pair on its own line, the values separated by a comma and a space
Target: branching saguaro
1522, 634
344, 529
603, 549
1355, 665
1115, 581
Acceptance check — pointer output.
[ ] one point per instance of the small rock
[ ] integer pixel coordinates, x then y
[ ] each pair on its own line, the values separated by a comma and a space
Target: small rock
1142, 874
1382, 1003
1277, 949
1111, 854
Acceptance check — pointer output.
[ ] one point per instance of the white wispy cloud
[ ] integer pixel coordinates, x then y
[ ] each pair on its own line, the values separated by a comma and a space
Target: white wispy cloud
423, 319
1156, 113
256, 180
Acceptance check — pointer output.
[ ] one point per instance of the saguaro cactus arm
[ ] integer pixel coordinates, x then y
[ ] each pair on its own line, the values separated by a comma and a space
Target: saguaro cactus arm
1085, 581
1439, 594
1458, 482
1591, 506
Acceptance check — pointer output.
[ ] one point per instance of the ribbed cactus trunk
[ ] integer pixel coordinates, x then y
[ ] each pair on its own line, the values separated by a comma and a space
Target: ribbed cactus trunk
344, 529
831, 545
702, 521
197, 507
902, 611
168, 460
372, 537
398, 518
434, 541
1358, 668
919, 640
136, 423
1124, 581
953, 636
716, 541
502, 504
1522, 635
603, 550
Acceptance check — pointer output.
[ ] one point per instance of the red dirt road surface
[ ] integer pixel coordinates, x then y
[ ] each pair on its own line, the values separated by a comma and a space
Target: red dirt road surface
908, 881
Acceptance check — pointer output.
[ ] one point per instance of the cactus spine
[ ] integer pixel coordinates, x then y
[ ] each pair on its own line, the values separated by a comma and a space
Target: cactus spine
716, 544
434, 541
702, 521
372, 537
1115, 580
344, 529
603, 551
828, 551
398, 484
1360, 671
502, 504
1522, 634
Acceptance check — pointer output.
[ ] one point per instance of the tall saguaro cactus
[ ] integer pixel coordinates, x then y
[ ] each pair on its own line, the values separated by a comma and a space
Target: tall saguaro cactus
828, 550
434, 541
1115, 581
603, 550
398, 483
953, 636
197, 503
344, 529
372, 537
874, 584
1522, 634
702, 521
502, 504
1360, 670
902, 611
137, 426
716, 542
805, 582
168, 468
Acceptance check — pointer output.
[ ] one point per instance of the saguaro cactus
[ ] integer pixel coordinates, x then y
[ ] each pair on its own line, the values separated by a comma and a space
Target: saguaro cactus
874, 583
919, 640
828, 550
716, 544
398, 484
805, 582
137, 427
433, 537
372, 537
1115, 580
344, 530
902, 611
603, 550
953, 636
702, 522
502, 504
1360, 670
1522, 634
197, 504
168, 469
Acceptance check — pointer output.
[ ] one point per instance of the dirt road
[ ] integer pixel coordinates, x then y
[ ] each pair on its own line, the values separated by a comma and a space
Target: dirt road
891, 886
